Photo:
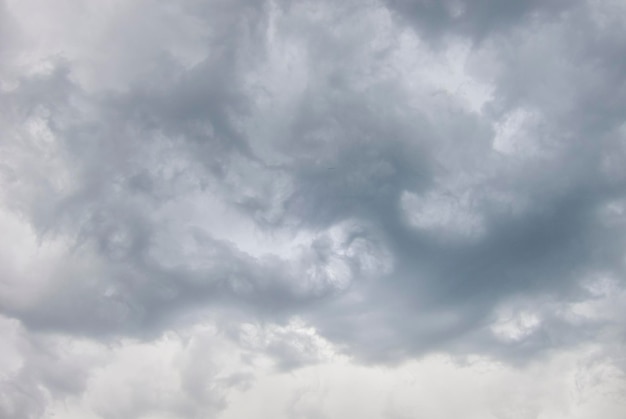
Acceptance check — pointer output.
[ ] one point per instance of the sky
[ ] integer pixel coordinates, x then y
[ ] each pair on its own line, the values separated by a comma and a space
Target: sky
383, 209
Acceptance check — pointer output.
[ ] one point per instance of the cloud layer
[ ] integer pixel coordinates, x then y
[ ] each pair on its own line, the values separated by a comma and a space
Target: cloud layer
229, 188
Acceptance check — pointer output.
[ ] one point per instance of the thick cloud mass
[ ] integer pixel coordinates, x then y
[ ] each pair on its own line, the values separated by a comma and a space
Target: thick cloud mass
204, 193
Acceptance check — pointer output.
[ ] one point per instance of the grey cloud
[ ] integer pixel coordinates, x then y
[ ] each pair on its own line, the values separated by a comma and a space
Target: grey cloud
40, 367
476, 19
419, 216
560, 237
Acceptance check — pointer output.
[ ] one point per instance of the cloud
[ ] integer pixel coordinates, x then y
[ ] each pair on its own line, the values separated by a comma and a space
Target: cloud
475, 20
381, 180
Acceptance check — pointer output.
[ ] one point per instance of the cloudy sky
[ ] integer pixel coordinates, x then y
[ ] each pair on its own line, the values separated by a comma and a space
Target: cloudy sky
319, 209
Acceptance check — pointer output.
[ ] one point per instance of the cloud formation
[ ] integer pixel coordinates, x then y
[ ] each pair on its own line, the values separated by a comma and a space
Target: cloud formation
296, 183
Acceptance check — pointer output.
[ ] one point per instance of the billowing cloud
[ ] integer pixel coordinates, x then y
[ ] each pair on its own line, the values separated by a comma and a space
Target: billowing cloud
198, 197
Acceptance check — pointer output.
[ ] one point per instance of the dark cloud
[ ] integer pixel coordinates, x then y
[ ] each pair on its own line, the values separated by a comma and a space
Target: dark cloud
477, 20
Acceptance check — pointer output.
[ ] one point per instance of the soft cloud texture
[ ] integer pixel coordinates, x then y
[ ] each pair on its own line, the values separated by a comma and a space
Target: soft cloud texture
201, 198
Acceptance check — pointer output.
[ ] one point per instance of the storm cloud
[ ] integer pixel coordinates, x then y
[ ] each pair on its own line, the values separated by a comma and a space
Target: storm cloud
209, 194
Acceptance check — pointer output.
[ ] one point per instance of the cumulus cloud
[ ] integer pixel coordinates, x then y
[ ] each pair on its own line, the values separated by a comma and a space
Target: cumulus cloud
197, 195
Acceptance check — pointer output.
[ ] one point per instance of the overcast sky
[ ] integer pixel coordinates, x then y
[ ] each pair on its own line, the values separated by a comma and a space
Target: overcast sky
378, 209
